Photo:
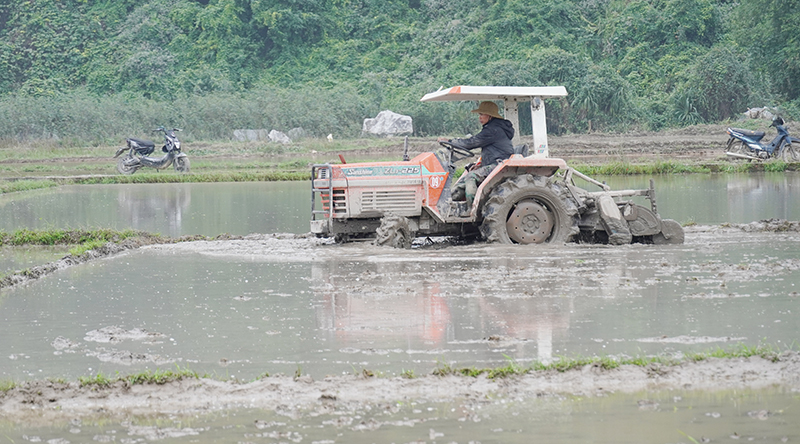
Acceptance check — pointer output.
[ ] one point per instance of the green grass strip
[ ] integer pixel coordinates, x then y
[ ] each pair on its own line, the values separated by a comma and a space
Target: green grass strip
564, 364
511, 369
158, 377
66, 237
26, 185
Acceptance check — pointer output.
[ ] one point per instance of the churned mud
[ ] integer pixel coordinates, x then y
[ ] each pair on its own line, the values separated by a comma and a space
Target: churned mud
298, 245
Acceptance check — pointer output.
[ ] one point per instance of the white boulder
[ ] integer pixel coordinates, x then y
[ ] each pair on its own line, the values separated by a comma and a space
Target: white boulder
279, 137
250, 135
387, 124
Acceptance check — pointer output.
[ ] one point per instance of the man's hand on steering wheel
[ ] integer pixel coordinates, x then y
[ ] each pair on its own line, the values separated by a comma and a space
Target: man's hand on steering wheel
462, 151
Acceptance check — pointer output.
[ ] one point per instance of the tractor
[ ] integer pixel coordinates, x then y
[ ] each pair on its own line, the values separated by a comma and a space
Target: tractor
529, 198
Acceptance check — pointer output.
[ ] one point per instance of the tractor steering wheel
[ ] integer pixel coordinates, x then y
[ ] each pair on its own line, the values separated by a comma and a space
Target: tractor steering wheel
464, 152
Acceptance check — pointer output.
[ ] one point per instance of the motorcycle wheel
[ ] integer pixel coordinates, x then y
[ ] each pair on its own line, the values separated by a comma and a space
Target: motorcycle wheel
182, 164
788, 154
124, 168
739, 148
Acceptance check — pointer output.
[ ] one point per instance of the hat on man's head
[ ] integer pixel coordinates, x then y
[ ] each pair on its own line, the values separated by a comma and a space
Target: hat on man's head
488, 108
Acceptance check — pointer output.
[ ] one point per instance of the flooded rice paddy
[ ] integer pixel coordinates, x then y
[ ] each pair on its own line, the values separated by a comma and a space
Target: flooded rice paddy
236, 310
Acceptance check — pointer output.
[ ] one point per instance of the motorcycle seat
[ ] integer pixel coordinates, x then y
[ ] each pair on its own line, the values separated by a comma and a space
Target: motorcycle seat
749, 133
143, 143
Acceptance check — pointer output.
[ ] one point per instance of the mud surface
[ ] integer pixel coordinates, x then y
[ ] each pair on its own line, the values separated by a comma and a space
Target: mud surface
44, 401
47, 401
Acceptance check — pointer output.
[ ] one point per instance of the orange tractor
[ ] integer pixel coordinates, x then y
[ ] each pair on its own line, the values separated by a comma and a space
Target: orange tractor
528, 198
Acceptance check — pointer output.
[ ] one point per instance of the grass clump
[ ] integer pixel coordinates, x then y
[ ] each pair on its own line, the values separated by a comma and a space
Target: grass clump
6, 386
87, 246
767, 352
158, 377
99, 380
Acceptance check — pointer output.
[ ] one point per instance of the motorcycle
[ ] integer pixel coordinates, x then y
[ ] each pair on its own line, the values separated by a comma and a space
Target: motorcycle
140, 149
751, 147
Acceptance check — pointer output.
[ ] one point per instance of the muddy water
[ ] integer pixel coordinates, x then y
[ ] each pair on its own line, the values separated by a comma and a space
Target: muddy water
272, 207
769, 415
720, 198
167, 209
241, 308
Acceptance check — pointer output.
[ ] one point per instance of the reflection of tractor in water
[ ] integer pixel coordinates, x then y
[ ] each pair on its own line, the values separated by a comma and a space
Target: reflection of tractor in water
526, 199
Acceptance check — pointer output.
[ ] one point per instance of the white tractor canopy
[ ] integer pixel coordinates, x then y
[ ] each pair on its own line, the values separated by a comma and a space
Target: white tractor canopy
511, 96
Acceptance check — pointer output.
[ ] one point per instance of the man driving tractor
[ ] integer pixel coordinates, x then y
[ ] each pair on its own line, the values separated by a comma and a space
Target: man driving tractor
495, 143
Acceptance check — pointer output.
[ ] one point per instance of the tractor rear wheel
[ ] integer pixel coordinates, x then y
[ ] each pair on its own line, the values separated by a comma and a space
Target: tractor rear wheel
394, 232
529, 209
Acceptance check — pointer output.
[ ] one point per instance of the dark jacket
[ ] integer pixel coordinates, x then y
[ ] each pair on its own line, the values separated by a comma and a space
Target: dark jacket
494, 141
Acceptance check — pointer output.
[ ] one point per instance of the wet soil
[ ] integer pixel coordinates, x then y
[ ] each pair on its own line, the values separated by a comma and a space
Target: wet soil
44, 401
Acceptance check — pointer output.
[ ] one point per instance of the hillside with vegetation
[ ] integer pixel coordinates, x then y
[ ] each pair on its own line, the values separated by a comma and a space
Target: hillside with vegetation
88, 71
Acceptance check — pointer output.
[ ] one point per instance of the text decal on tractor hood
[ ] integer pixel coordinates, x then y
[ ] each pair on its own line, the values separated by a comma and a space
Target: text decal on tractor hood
381, 171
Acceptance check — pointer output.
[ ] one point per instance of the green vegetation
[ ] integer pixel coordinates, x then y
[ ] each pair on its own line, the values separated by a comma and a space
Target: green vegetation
65, 237
564, 364
147, 377
26, 185
5, 386
672, 167
96, 70
86, 246
161, 376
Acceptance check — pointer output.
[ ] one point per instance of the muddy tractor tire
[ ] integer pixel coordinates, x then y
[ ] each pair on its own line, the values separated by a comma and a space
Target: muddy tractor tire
529, 209
671, 233
394, 232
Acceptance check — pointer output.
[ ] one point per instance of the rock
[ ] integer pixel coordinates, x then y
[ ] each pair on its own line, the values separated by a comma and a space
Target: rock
297, 133
279, 137
759, 113
387, 124
250, 135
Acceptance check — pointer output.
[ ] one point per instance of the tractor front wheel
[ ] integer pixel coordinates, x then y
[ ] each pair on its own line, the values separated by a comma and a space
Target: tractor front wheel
529, 209
394, 232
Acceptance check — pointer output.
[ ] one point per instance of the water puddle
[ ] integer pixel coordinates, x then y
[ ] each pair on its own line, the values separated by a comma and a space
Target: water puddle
211, 209
14, 259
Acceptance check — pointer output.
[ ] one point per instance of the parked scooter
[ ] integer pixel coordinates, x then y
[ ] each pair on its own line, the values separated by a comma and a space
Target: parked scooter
751, 147
140, 149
